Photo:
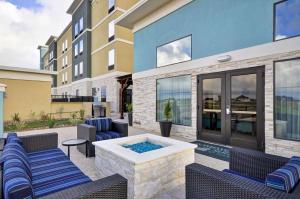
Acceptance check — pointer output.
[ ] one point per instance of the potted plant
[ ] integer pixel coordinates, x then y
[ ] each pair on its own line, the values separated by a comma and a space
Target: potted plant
166, 125
129, 110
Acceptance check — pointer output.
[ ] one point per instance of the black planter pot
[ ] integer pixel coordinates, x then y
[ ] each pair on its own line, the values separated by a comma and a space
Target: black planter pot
130, 119
165, 128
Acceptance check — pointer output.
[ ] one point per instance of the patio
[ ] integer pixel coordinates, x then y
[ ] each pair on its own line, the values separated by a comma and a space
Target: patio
87, 165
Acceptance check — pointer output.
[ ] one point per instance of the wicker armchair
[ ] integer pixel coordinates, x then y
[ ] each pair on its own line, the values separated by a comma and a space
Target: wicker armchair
114, 186
203, 182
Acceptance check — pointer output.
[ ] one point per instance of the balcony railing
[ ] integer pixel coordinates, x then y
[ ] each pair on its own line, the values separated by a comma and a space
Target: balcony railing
71, 98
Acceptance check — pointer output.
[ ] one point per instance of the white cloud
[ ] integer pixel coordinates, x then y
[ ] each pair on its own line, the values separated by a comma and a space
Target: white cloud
22, 30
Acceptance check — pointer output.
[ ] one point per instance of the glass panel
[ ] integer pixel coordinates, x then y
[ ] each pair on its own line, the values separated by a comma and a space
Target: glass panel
179, 91
287, 19
175, 52
287, 99
212, 98
243, 105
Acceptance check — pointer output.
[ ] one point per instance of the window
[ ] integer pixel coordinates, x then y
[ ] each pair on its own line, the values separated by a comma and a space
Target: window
81, 46
111, 5
287, 99
66, 44
179, 91
103, 93
286, 16
175, 52
81, 68
66, 61
76, 70
63, 47
66, 77
111, 59
77, 92
94, 92
63, 78
111, 31
51, 67
76, 50
51, 55
81, 24
76, 29
63, 62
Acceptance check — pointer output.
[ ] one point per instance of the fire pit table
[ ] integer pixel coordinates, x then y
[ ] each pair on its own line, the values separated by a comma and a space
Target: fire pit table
150, 163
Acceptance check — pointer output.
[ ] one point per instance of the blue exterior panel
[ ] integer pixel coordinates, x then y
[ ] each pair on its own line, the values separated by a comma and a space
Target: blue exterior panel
216, 26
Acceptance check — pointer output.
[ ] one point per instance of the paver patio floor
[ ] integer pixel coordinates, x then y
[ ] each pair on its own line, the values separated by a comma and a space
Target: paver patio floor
87, 165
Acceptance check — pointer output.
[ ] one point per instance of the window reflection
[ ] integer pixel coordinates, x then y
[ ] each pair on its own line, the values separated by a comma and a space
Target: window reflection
178, 90
287, 19
287, 99
175, 52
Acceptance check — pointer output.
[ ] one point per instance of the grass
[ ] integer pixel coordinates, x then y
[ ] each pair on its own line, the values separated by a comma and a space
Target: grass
40, 124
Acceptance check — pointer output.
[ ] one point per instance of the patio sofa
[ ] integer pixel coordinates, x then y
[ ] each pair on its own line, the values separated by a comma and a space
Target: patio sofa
244, 179
33, 167
97, 129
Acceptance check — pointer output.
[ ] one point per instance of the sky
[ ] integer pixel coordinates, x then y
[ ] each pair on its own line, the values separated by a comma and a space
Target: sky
25, 24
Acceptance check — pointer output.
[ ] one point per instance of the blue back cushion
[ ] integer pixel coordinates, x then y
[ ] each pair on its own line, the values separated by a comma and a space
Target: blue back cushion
295, 161
13, 138
101, 124
16, 151
16, 182
284, 178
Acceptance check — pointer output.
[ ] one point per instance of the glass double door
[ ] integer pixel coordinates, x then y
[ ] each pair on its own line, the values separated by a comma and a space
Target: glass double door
231, 108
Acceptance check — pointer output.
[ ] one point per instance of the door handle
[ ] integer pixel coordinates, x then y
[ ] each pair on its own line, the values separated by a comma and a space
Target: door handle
228, 111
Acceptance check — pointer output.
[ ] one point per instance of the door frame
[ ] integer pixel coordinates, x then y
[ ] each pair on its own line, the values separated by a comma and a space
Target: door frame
225, 136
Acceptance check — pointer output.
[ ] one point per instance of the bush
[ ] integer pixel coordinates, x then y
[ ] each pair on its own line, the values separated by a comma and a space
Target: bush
81, 113
44, 116
16, 118
51, 123
32, 115
168, 110
129, 107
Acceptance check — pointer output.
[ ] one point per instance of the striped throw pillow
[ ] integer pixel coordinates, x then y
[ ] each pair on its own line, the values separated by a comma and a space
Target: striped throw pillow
101, 124
284, 178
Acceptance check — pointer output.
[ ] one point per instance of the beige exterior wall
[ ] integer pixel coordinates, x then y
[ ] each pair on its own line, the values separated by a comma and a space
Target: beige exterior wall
68, 107
67, 54
26, 96
122, 43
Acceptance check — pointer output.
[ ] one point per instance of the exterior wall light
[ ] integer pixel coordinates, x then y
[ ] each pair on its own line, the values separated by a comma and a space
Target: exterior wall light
224, 58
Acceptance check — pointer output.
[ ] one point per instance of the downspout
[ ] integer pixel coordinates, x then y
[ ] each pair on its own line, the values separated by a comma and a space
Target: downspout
2, 91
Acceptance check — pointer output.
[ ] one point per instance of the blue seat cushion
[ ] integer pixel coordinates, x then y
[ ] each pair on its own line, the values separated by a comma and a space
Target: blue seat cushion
244, 176
53, 171
101, 124
107, 135
15, 178
295, 161
284, 178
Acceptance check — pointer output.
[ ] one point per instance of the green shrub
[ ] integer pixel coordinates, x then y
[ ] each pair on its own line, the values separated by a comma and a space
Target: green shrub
168, 110
20, 126
32, 115
44, 116
81, 113
51, 123
16, 118
129, 107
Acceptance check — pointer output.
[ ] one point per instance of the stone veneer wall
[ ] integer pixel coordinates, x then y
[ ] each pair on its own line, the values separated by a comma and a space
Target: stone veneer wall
144, 101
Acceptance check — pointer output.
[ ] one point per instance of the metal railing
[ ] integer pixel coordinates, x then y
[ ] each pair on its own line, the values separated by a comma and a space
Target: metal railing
71, 98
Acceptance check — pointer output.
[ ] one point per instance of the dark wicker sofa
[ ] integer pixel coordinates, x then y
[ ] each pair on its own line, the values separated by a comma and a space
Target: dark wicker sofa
37, 147
91, 133
203, 182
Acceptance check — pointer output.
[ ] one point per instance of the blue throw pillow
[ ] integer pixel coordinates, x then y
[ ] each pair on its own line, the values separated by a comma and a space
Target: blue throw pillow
284, 178
13, 138
101, 124
16, 182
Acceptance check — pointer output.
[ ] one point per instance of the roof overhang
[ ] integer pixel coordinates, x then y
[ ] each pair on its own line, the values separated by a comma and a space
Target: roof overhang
74, 6
140, 11
50, 40
27, 70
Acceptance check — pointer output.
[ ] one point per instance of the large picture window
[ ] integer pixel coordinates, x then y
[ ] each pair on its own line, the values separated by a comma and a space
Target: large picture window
178, 91
175, 52
287, 19
287, 99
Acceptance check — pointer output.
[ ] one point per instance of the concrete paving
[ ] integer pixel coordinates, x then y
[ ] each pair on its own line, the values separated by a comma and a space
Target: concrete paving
87, 165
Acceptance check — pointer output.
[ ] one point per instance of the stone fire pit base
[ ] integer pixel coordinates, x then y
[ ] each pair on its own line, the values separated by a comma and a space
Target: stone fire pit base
147, 173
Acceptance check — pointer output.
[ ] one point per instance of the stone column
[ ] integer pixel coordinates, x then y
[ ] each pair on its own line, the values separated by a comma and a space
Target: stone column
2, 91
